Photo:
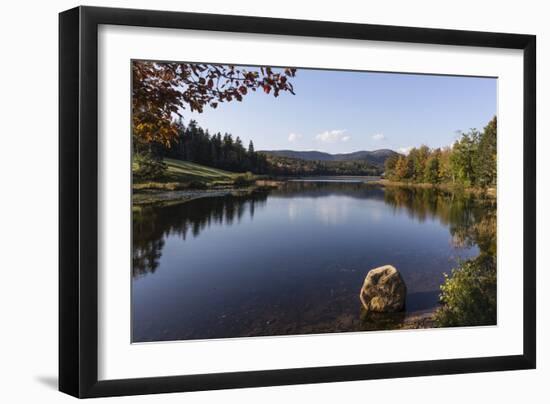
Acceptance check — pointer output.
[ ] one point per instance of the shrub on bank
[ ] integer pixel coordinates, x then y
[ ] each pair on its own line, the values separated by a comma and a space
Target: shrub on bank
469, 294
244, 180
147, 167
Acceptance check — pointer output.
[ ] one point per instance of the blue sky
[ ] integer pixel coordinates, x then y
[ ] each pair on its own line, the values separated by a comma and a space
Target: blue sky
339, 112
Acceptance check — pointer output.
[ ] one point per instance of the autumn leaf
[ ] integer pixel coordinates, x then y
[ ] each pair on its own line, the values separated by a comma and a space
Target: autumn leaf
162, 91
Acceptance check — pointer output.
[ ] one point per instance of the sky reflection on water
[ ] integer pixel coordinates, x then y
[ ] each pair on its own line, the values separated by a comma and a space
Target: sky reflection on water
291, 260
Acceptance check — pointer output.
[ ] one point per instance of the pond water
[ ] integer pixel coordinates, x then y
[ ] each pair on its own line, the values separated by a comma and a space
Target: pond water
292, 260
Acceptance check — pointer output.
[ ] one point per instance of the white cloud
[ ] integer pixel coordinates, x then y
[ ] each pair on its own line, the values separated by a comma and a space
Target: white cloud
333, 136
293, 137
404, 150
378, 136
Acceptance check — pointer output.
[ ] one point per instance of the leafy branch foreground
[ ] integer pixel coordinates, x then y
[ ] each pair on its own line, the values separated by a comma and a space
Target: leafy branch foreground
469, 294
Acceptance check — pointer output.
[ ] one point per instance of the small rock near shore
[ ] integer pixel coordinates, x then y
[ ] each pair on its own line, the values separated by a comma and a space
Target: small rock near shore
383, 290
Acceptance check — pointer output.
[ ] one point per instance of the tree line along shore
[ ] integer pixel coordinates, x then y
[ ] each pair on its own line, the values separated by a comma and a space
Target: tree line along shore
195, 159
471, 162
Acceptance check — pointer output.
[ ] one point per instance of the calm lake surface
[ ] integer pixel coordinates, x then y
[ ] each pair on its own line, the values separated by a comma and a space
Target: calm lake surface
292, 260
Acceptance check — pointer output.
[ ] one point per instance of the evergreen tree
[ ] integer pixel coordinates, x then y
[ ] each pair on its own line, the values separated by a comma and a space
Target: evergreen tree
431, 169
486, 158
420, 158
389, 166
463, 157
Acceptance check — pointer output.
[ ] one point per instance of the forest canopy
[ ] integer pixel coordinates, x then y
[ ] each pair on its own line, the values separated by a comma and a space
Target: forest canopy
470, 162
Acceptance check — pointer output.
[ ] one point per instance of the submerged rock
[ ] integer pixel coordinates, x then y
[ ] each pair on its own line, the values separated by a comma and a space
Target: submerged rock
383, 290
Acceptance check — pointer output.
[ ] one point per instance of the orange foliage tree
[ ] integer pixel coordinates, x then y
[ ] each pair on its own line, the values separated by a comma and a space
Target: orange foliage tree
160, 91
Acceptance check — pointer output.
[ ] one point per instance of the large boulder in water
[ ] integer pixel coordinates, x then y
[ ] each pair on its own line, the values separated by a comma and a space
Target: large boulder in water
383, 290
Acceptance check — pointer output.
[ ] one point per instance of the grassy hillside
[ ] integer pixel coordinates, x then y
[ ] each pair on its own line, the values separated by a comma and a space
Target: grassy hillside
184, 174
185, 171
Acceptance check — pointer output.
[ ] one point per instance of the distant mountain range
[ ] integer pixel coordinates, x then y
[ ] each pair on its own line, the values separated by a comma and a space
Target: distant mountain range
375, 157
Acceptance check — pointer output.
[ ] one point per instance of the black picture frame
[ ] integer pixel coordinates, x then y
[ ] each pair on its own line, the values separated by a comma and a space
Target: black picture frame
78, 201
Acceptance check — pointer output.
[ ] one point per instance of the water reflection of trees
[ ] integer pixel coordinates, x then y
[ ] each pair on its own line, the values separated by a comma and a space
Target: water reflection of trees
471, 218
152, 224
468, 295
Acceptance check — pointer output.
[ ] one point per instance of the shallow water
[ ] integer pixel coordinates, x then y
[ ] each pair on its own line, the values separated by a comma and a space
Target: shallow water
292, 260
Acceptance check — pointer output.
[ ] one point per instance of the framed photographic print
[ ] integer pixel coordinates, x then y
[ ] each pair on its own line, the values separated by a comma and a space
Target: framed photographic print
251, 201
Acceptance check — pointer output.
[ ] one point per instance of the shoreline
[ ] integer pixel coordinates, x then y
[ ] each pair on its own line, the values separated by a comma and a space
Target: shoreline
420, 320
444, 187
148, 196
156, 197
